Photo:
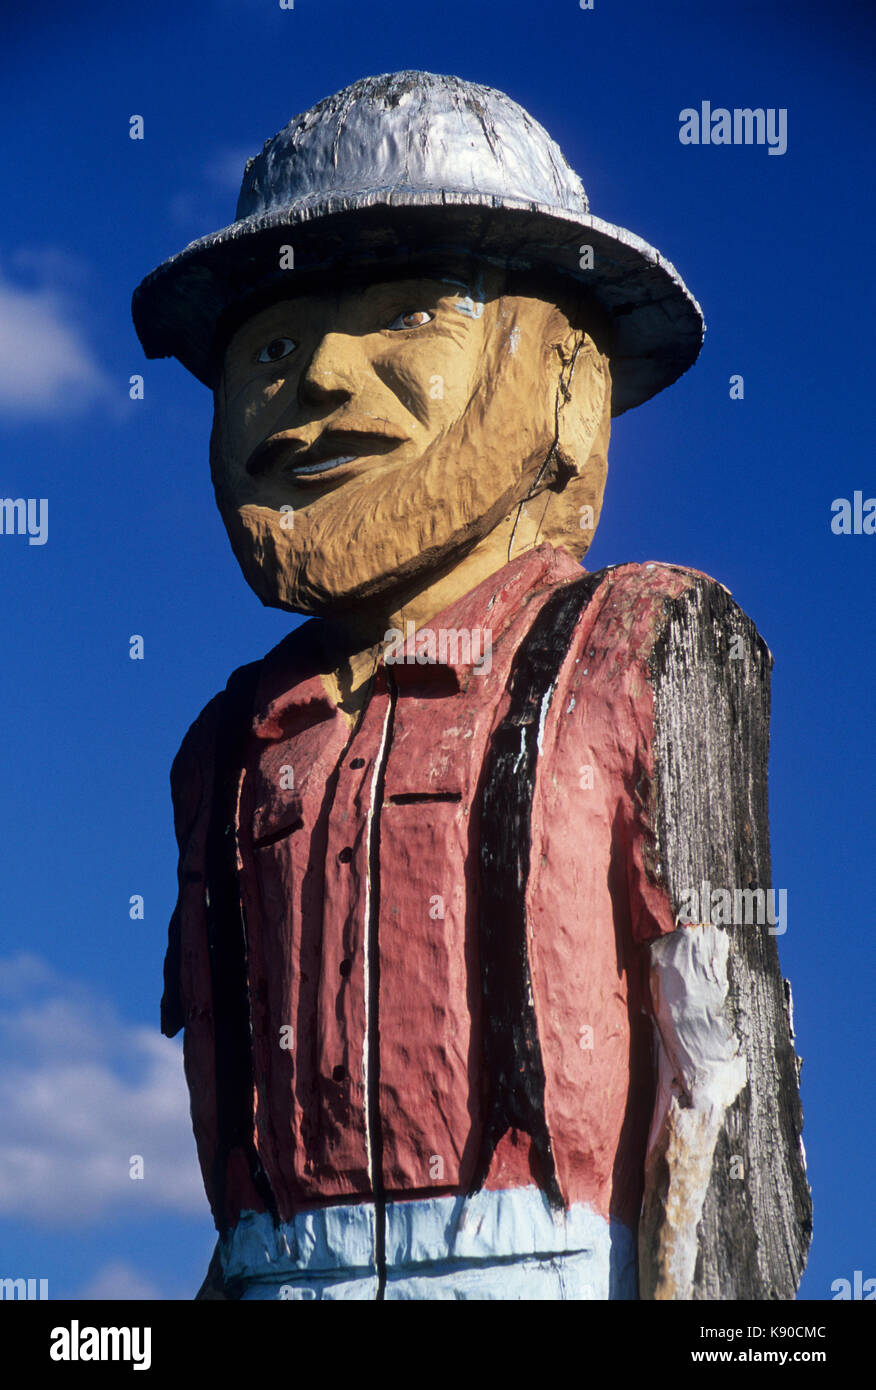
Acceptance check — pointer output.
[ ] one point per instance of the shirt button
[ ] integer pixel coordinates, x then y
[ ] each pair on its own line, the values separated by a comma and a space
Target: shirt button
345, 967
339, 1074
358, 762
345, 855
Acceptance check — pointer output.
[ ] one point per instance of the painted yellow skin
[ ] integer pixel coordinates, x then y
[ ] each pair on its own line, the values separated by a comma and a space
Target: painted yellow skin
472, 431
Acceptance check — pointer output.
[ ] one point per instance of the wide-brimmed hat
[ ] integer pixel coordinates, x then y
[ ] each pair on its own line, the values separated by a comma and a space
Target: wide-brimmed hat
410, 163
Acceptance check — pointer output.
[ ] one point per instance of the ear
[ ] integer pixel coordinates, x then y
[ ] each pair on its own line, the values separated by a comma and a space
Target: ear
583, 406
580, 454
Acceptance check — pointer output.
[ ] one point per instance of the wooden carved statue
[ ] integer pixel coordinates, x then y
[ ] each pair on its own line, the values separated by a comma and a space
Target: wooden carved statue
475, 946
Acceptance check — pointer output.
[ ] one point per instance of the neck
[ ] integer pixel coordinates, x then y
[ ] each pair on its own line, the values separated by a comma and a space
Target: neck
354, 642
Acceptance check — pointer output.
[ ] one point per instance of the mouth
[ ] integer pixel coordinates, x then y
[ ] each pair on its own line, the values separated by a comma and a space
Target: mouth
333, 449
304, 470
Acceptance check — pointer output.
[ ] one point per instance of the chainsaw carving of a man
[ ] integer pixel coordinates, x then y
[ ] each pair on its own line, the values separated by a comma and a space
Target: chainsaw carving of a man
446, 1035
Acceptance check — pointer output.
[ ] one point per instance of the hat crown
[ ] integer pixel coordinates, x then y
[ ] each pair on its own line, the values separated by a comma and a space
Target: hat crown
414, 160
413, 132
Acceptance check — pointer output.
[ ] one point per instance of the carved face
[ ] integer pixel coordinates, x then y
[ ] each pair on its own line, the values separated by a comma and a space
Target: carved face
367, 436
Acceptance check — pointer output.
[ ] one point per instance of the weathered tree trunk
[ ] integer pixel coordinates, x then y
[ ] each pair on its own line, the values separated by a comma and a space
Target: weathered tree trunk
727, 1211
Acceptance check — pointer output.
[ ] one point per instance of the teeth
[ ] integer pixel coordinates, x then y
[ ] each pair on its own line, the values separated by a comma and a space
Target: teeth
325, 464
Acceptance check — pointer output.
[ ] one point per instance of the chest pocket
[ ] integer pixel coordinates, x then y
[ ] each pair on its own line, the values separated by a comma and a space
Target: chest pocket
276, 797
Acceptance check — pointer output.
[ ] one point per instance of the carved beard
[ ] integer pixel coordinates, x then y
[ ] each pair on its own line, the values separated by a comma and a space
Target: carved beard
374, 535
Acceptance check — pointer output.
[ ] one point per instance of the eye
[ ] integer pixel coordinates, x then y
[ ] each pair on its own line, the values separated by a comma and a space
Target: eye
276, 349
411, 318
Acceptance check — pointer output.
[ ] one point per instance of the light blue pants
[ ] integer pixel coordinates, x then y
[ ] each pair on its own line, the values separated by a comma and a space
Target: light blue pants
495, 1245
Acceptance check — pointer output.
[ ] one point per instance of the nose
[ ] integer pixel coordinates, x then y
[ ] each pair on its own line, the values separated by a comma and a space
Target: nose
331, 376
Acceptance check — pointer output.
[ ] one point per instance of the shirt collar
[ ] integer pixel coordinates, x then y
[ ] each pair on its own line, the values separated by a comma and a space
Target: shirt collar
452, 646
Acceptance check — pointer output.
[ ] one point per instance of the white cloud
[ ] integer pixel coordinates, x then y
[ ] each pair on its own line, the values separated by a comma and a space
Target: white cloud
209, 200
46, 366
118, 1280
26, 971
81, 1093
52, 265
225, 169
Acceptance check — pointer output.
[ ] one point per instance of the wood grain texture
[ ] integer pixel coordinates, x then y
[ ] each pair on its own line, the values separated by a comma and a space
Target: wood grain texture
711, 676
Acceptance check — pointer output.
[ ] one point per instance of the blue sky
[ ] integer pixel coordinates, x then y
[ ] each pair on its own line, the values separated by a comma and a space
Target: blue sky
776, 249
